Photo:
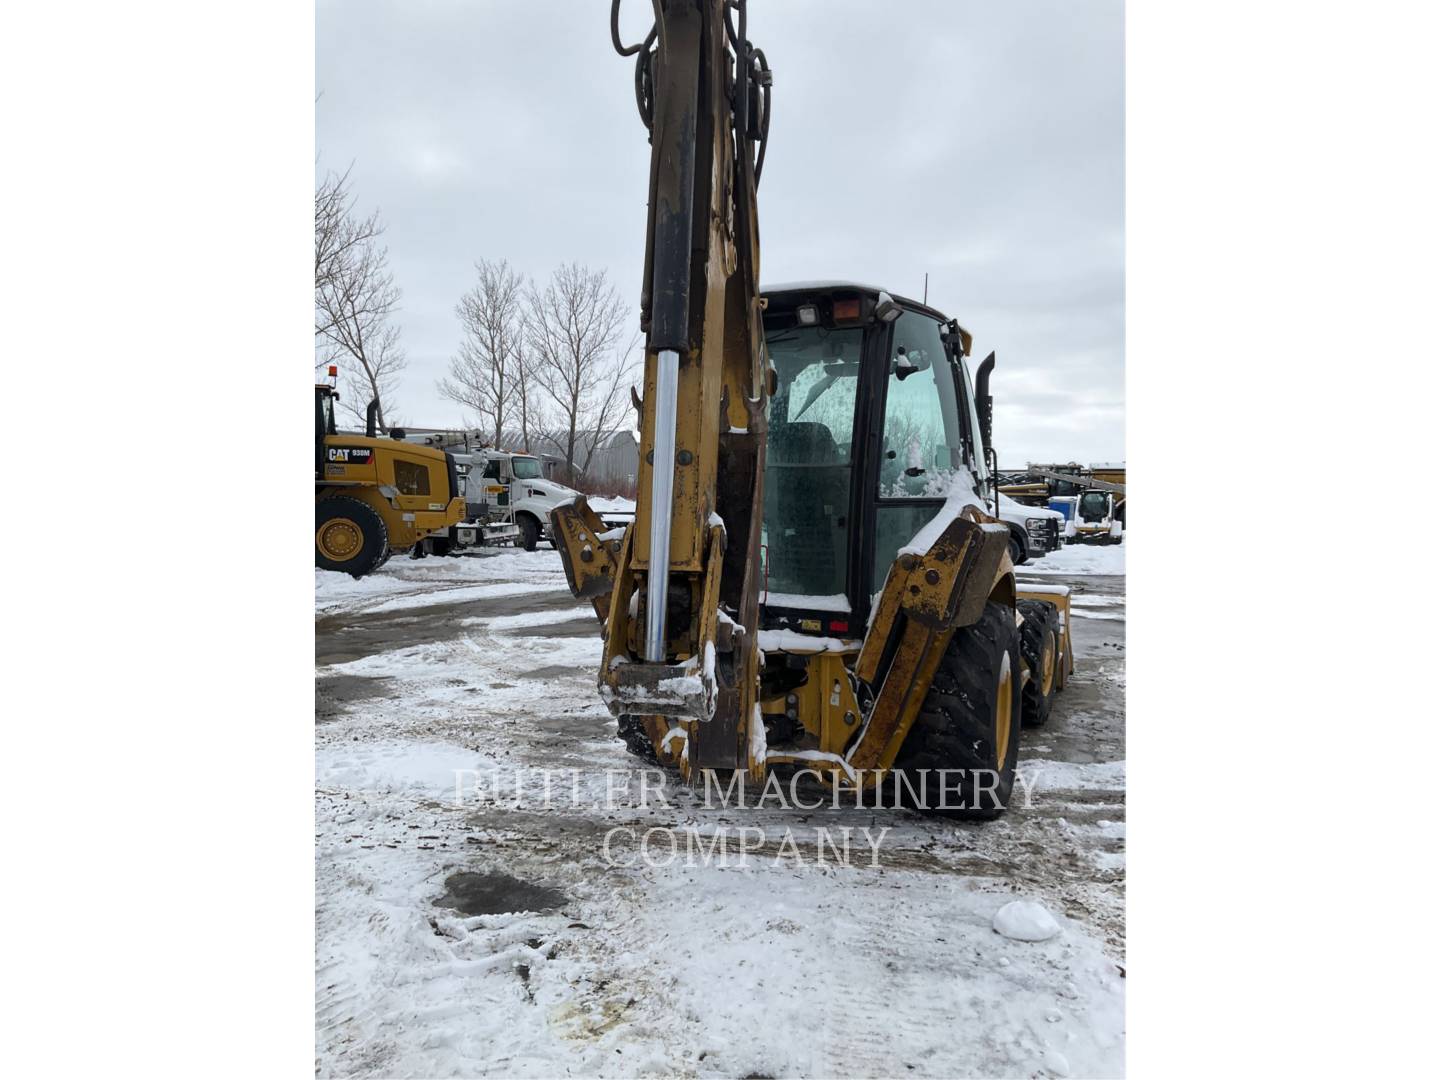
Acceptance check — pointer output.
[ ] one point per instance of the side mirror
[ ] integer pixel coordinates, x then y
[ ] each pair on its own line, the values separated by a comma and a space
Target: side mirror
907, 364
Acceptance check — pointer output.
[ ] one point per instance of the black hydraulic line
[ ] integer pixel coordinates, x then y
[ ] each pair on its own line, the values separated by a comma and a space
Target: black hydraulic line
630, 50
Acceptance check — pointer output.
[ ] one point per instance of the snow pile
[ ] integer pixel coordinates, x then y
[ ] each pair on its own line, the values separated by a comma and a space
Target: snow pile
432, 769
1055, 1063
1045, 774
1025, 920
1079, 559
433, 580
615, 505
796, 642
962, 494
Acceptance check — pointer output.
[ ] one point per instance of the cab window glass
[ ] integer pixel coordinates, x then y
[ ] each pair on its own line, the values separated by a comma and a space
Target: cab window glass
806, 530
923, 445
411, 479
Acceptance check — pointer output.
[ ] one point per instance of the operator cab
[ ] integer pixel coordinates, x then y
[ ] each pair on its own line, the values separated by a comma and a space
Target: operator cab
871, 427
325, 397
526, 468
1094, 506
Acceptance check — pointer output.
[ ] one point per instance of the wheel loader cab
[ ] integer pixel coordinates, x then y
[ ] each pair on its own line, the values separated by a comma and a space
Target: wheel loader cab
872, 425
324, 423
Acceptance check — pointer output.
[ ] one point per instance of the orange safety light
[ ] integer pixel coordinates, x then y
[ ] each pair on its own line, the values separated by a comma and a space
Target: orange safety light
847, 309
332, 371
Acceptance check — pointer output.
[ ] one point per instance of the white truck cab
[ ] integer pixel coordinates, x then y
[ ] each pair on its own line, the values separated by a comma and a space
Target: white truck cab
509, 487
1034, 530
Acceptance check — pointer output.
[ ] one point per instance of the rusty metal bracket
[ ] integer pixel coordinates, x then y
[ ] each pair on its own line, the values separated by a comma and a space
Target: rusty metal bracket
588, 551
926, 598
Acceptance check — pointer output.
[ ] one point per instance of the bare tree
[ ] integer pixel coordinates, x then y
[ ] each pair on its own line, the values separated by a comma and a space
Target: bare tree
485, 375
339, 232
525, 381
573, 327
355, 297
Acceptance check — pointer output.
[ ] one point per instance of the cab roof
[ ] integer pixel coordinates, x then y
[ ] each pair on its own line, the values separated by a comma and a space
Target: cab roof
827, 286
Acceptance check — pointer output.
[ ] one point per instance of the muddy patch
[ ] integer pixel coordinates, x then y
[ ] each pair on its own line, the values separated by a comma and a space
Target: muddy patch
472, 893
335, 694
352, 635
557, 671
585, 626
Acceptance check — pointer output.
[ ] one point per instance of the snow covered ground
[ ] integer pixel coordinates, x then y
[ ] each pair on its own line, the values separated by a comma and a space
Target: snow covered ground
469, 922
1080, 559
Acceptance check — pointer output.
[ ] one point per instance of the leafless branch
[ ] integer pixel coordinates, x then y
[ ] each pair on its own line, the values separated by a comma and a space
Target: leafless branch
486, 374
355, 297
573, 327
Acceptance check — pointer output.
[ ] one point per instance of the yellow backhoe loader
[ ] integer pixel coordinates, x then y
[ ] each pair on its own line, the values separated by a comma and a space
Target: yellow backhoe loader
375, 496
813, 580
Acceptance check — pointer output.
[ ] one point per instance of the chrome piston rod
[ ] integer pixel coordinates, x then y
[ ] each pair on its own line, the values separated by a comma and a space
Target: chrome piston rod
662, 502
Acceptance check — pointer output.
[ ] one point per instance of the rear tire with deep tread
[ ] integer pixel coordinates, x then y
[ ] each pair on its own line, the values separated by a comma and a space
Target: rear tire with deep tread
956, 728
374, 541
1040, 646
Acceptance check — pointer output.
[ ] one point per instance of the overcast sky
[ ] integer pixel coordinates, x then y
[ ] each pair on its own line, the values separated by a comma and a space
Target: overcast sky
982, 142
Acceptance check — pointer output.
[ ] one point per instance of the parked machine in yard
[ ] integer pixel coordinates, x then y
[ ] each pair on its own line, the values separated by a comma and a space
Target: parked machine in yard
375, 496
508, 498
510, 487
1091, 499
1035, 531
812, 580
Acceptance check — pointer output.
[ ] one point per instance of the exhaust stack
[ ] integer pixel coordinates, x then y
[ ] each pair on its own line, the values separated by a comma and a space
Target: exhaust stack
984, 403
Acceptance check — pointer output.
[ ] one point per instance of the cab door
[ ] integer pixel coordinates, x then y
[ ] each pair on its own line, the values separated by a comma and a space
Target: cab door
489, 489
924, 445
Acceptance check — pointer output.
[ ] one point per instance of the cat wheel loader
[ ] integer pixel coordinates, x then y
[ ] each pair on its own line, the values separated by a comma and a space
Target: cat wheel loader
814, 579
376, 496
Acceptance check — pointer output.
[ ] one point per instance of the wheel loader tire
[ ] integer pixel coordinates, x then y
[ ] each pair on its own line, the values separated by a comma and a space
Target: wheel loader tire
1040, 646
637, 742
529, 532
969, 724
350, 536
1017, 550
440, 545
